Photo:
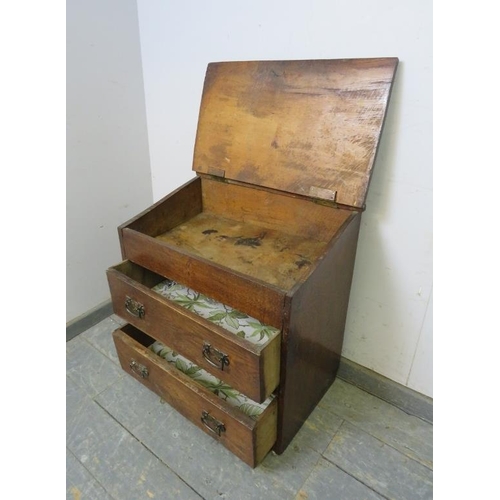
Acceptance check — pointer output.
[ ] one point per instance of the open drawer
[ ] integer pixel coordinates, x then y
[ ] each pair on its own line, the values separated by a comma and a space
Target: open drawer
234, 347
245, 428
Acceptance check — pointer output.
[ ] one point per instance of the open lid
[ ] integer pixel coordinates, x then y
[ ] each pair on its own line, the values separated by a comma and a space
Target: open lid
304, 127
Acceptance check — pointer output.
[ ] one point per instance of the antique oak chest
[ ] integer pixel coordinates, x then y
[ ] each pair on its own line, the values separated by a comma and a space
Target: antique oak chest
236, 285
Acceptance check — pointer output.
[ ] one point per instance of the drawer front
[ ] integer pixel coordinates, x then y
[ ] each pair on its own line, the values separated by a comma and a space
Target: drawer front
247, 438
251, 369
253, 296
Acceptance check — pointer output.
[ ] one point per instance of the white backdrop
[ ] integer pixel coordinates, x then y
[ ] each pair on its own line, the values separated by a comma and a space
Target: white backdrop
389, 326
108, 174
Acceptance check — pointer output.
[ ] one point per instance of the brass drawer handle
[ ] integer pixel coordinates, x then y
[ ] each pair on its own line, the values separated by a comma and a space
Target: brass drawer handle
212, 423
134, 308
139, 369
211, 353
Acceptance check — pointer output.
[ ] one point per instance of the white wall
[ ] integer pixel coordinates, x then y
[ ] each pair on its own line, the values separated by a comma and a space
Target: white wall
108, 171
387, 328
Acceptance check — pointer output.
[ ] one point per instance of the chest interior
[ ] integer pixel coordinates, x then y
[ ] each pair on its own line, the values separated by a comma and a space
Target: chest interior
269, 236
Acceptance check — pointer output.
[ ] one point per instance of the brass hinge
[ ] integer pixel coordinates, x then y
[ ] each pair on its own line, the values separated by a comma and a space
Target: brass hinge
218, 172
324, 194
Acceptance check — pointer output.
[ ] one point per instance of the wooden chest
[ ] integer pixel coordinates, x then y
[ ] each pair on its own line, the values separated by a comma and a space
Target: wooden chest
236, 285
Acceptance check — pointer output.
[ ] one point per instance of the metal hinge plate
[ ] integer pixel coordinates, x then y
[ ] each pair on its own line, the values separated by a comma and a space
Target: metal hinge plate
324, 194
218, 172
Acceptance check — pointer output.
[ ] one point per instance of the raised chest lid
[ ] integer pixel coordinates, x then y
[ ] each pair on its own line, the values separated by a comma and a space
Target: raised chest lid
305, 127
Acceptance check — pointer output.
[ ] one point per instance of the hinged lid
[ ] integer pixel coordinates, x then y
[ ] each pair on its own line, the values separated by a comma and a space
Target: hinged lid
305, 127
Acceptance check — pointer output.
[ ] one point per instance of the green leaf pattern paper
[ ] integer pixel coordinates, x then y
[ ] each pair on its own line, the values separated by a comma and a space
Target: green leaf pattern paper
226, 317
213, 384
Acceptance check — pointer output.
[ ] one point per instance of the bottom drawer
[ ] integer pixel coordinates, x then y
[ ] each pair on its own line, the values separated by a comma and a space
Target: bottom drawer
248, 437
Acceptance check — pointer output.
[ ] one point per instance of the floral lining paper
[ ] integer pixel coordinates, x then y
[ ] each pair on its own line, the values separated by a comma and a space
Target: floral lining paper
226, 317
218, 387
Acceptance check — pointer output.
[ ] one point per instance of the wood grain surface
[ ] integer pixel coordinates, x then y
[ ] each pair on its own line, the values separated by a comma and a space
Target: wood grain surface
287, 213
305, 127
173, 209
248, 439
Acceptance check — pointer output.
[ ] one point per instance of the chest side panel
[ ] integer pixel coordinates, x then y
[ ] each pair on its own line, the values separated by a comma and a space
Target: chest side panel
314, 332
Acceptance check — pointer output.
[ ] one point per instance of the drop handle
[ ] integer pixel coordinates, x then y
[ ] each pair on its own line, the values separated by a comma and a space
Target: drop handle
215, 357
138, 369
134, 307
212, 424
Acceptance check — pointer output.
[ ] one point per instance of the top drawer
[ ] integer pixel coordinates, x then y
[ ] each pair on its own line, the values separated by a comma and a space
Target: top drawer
193, 325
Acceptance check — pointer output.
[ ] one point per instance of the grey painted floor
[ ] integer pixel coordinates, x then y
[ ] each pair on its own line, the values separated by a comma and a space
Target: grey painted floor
124, 443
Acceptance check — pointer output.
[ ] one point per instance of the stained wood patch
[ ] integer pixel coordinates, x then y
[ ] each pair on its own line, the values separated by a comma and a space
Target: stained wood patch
273, 256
